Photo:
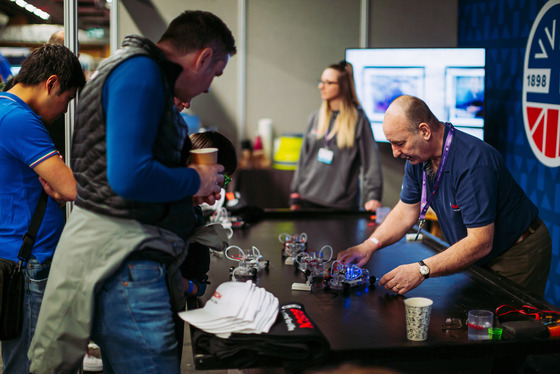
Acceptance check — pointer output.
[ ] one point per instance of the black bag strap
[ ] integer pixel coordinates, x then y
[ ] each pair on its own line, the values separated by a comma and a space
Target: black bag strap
29, 237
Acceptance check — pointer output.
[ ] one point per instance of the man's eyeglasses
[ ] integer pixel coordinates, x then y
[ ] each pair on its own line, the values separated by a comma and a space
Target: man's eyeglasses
326, 83
226, 180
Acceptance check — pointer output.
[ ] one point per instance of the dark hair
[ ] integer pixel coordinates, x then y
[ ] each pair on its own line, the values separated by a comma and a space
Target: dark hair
196, 29
227, 155
48, 60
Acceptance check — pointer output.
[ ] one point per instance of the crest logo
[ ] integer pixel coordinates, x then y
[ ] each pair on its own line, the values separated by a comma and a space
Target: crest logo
541, 85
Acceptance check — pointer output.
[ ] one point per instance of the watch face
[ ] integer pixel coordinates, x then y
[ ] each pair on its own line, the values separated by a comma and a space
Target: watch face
424, 270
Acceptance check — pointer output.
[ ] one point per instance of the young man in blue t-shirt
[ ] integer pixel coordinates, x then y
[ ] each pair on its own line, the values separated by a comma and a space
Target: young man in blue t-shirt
485, 215
48, 80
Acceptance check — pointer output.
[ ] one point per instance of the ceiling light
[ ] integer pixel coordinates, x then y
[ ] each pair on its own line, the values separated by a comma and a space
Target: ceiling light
32, 9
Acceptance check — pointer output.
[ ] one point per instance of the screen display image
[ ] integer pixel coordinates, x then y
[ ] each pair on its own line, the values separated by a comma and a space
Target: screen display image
382, 85
449, 80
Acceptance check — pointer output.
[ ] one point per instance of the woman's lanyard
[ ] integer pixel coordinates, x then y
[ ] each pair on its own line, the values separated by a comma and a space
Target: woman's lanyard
327, 140
331, 124
425, 200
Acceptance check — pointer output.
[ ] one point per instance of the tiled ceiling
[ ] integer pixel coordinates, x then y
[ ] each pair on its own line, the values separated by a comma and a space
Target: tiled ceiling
91, 13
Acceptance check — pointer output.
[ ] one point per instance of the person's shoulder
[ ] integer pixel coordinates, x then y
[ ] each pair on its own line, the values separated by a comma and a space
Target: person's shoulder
140, 69
362, 117
474, 143
477, 151
361, 111
23, 128
8, 99
13, 111
313, 116
139, 64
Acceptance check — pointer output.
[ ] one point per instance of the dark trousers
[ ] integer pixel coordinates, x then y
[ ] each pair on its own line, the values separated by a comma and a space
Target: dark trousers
527, 263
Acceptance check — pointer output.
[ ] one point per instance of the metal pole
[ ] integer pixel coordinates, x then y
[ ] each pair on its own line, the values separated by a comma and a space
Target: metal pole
364, 24
241, 67
114, 26
70, 41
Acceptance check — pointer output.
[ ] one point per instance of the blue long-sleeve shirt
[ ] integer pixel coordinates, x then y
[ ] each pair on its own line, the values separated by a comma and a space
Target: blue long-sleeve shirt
133, 100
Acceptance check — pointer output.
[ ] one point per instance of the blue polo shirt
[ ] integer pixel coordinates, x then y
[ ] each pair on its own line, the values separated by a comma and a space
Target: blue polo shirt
24, 143
476, 189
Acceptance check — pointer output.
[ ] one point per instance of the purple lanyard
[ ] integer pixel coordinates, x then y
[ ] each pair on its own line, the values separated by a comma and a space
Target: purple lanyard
327, 141
425, 201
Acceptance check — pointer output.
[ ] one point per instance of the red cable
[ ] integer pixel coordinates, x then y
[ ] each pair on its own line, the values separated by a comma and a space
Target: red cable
527, 310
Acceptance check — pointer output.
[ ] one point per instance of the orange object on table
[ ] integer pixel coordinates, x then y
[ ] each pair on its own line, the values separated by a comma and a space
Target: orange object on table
554, 330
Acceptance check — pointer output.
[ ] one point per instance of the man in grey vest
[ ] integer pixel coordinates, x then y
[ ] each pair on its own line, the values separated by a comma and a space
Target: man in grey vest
111, 279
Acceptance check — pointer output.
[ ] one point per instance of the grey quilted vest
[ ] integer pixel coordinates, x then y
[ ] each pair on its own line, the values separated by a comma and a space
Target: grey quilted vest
89, 156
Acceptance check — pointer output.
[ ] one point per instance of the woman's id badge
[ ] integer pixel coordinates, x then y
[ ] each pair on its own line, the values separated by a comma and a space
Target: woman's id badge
325, 156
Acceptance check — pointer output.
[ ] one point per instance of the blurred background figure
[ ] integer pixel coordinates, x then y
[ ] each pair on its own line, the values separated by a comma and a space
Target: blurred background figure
339, 155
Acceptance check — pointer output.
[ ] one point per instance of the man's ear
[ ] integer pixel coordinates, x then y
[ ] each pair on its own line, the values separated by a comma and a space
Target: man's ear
204, 60
51, 83
425, 130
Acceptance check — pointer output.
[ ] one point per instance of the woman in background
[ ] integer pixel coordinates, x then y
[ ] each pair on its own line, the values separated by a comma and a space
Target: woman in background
339, 153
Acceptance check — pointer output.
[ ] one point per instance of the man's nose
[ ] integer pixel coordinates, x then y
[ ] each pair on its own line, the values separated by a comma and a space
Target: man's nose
396, 153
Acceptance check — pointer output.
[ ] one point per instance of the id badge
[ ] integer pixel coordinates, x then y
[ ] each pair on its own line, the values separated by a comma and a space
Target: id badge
325, 156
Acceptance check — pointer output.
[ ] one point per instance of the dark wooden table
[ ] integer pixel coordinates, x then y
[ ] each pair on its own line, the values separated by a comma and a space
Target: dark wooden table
368, 324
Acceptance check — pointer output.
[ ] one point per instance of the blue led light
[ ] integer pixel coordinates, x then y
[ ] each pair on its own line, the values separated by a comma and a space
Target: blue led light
353, 272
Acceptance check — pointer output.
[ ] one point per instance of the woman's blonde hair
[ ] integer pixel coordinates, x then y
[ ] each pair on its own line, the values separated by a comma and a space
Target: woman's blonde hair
344, 127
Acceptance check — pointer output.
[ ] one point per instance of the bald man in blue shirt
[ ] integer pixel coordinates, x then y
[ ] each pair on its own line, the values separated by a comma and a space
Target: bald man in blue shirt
484, 214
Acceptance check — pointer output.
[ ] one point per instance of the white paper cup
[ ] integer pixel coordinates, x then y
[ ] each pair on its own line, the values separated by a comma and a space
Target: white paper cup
204, 156
418, 311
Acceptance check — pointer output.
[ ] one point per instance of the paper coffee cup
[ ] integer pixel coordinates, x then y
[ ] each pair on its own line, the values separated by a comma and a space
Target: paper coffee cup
205, 156
418, 310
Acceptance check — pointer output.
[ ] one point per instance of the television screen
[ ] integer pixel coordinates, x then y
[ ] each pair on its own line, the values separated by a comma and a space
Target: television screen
449, 80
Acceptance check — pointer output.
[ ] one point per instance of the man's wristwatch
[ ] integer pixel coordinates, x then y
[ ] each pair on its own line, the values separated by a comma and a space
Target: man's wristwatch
424, 269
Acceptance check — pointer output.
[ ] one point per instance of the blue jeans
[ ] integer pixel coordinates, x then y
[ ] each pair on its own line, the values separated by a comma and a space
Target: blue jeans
14, 351
133, 322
